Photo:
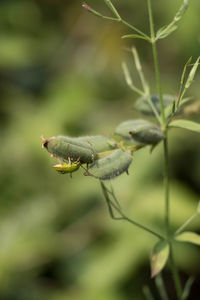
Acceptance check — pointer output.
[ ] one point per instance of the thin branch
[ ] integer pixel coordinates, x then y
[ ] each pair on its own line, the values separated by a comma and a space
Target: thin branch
111, 204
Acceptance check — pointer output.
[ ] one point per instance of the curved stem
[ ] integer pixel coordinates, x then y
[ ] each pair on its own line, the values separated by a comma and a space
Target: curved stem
111, 205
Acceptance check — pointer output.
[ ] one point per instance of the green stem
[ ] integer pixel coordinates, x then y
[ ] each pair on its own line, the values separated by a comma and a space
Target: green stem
147, 293
111, 204
165, 144
175, 275
156, 64
119, 19
140, 226
161, 287
166, 185
187, 288
134, 28
190, 220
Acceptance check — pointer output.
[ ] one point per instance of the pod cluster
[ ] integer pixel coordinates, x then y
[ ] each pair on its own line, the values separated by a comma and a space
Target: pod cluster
101, 155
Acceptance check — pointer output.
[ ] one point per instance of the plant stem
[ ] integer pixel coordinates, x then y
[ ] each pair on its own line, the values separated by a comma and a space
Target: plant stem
111, 205
134, 28
190, 220
175, 275
187, 287
161, 287
147, 293
166, 155
166, 185
156, 64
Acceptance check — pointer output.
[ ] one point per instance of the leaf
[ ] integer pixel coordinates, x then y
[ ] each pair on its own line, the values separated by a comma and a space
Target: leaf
165, 31
187, 287
189, 237
129, 80
142, 103
159, 257
136, 36
140, 131
185, 124
168, 29
184, 70
192, 74
110, 166
169, 110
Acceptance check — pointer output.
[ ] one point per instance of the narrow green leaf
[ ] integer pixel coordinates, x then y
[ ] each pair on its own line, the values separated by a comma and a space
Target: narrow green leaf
110, 166
170, 110
136, 36
168, 29
140, 71
185, 101
181, 10
126, 74
185, 124
165, 31
184, 70
189, 237
187, 288
159, 257
161, 287
192, 74
129, 80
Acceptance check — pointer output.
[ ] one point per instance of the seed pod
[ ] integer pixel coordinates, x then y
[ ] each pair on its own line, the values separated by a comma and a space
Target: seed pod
111, 165
142, 104
65, 148
140, 131
66, 168
98, 143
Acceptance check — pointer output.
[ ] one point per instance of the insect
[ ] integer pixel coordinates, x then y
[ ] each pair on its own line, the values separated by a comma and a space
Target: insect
67, 168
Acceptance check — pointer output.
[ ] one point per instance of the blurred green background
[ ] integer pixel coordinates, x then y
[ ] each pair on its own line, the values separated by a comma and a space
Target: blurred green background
60, 73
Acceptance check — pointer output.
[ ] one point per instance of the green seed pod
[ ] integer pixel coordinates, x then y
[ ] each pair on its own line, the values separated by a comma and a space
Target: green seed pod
66, 168
140, 131
98, 143
142, 104
65, 148
111, 165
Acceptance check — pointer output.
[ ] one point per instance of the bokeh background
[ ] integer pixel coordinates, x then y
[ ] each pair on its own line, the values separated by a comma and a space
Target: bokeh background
60, 73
